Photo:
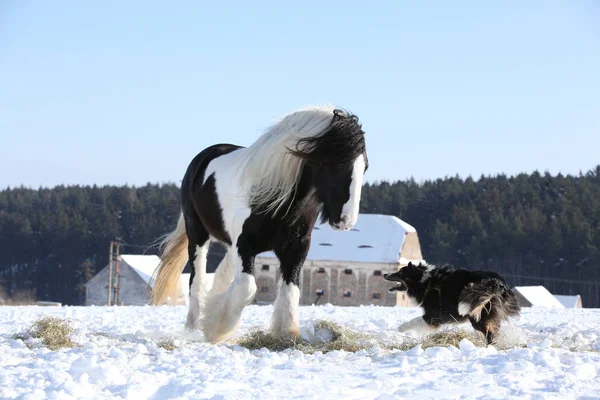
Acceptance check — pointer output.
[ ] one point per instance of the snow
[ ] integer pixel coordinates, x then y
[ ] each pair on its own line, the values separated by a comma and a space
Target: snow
375, 238
568, 301
119, 357
538, 296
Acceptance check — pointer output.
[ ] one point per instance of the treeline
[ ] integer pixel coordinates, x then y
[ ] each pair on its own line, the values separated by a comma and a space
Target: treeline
532, 228
55, 240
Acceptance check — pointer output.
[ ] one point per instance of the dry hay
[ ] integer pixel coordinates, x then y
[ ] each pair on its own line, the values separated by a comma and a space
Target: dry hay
167, 344
452, 338
340, 338
53, 332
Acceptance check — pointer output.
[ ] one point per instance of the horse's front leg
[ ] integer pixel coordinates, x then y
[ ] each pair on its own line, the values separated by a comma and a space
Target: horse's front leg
285, 314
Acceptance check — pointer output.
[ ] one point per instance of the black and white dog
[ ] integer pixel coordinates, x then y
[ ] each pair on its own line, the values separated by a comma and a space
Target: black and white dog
449, 295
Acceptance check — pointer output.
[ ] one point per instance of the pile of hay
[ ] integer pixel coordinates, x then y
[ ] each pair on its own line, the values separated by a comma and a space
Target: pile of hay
52, 332
337, 337
452, 338
168, 344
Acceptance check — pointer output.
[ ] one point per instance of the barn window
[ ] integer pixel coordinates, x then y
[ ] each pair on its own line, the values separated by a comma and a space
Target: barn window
319, 292
347, 293
265, 267
376, 295
377, 273
321, 270
348, 271
265, 289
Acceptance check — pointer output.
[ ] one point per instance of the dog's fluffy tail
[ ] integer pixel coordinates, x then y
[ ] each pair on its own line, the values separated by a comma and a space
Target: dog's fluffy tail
488, 294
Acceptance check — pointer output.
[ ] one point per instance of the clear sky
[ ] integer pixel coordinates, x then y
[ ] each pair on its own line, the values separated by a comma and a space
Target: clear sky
115, 92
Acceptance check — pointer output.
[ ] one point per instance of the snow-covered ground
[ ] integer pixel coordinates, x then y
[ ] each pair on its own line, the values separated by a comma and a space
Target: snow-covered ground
120, 358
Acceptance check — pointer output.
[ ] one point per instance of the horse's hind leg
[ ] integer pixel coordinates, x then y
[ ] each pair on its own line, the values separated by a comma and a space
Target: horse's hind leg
223, 311
198, 251
223, 275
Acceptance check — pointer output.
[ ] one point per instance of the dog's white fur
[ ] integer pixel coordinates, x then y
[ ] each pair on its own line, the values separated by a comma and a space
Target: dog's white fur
418, 325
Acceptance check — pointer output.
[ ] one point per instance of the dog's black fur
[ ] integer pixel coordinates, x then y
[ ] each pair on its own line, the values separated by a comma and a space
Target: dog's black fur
449, 295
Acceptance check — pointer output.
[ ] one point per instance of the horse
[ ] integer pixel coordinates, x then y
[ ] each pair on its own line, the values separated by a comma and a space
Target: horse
264, 197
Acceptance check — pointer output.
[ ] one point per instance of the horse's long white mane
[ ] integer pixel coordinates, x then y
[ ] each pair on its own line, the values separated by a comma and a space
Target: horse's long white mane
267, 164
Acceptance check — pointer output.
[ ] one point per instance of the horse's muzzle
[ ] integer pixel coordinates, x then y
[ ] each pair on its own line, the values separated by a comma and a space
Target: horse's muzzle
344, 224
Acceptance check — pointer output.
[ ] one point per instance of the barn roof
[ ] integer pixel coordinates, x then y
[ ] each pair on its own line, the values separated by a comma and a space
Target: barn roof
375, 238
568, 301
536, 296
143, 265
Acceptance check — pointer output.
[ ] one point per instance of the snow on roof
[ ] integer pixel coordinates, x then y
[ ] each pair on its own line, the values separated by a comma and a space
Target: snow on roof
568, 301
538, 296
143, 265
375, 238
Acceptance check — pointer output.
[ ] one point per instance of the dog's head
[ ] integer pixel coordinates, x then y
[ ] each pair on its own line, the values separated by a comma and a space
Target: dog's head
409, 276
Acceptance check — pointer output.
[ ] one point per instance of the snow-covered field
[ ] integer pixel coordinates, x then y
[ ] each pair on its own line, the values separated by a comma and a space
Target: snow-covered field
119, 357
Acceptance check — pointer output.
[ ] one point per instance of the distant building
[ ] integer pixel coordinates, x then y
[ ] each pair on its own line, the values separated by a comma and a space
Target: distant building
135, 272
569, 301
536, 296
346, 268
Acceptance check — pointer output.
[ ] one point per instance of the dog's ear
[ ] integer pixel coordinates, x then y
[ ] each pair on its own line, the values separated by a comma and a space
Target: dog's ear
422, 267
410, 264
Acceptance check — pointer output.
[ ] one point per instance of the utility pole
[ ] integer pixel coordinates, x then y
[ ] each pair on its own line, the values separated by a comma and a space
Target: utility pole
113, 280
109, 286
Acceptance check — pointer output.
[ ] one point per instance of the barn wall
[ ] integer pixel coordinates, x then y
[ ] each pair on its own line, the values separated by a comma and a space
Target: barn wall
95, 289
361, 284
266, 284
133, 290
411, 249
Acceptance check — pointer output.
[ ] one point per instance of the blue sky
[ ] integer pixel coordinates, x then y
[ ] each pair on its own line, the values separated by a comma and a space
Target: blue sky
117, 92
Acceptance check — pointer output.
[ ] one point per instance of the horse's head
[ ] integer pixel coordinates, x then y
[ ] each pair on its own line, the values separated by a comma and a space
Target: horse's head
339, 159
339, 189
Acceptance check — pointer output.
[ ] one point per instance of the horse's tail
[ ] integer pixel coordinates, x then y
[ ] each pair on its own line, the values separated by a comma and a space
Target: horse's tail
173, 260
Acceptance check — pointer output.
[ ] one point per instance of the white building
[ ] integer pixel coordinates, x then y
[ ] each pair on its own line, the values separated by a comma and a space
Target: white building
135, 272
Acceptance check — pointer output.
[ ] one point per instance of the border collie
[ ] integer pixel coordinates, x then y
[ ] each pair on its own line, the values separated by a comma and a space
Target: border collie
449, 295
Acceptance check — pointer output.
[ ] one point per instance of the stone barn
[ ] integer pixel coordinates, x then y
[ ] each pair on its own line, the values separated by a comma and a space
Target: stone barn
135, 272
346, 268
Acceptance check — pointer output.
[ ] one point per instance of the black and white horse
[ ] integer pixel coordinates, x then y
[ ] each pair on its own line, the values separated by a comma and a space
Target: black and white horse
266, 197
